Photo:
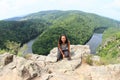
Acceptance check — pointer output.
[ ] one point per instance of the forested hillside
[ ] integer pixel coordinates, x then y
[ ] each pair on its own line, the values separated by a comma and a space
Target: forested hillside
20, 31
110, 47
77, 25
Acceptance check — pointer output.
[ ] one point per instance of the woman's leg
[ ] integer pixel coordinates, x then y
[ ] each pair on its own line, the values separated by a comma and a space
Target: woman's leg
59, 55
66, 53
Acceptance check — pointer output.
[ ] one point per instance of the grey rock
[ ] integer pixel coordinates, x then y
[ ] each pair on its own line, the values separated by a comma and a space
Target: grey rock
77, 51
51, 59
40, 67
29, 70
6, 59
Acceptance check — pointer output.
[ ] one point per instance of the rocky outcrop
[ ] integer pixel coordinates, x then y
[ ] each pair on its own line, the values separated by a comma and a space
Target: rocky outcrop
108, 72
6, 59
39, 67
77, 51
21, 68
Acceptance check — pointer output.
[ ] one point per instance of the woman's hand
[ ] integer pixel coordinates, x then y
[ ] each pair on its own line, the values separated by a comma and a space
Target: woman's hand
63, 56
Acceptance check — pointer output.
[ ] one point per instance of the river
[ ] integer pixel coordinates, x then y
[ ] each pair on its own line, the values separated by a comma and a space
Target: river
94, 42
27, 47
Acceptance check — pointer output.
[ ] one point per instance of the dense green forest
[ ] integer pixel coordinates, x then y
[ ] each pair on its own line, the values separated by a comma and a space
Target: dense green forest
77, 25
110, 47
20, 31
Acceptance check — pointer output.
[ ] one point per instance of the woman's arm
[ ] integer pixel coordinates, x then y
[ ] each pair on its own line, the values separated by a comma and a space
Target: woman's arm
60, 50
69, 49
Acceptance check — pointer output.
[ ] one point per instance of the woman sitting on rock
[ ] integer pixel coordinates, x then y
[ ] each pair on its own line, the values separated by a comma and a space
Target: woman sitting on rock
63, 48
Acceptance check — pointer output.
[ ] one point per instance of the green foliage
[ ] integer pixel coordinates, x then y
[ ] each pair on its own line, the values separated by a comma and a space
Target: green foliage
110, 48
78, 34
22, 50
78, 26
20, 31
89, 59
12, 47
2, 51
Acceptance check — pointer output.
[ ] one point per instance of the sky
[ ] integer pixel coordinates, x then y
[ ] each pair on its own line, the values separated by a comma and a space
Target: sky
16, 8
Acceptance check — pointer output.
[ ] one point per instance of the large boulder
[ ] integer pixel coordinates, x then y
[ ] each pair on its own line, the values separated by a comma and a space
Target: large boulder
40, 67
33, 66
6, 59
51, 59
63, 65
21, 68
36, 57
108, 72
27, 69
77, 51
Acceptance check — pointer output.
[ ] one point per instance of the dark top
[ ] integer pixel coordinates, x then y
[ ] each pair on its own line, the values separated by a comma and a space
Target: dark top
64, 46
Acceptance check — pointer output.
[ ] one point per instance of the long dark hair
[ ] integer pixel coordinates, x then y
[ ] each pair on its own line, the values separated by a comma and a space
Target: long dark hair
60, 41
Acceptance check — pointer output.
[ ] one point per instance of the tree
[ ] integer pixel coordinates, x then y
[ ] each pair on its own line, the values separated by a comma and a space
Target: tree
12, 46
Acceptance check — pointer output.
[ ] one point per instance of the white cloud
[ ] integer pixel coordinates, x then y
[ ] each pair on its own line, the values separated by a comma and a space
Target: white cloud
11, 8
116, 3
111, 9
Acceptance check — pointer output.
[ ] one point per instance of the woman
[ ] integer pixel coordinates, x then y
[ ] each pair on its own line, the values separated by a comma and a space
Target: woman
63, 48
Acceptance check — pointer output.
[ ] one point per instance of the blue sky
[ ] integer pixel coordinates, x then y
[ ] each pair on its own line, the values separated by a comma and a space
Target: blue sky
13, 8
